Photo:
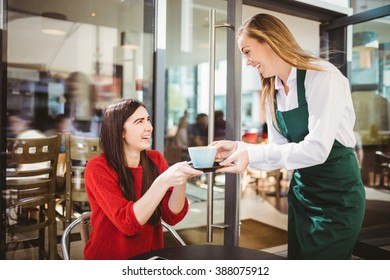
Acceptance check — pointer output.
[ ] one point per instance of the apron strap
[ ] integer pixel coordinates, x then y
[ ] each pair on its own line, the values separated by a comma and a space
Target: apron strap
301, 74
281, 126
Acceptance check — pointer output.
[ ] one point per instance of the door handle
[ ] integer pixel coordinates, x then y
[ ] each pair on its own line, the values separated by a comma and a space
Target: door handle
210, 195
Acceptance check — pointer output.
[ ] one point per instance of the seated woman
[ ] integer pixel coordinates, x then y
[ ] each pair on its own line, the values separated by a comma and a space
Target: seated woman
130, 188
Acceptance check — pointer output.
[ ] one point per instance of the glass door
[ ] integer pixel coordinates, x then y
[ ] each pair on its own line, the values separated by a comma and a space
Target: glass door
187, 73
187, 83
368, 74
68, 60
370, 81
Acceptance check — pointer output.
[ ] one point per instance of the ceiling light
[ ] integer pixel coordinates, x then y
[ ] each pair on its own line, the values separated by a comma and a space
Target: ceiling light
53, 24
364, 43
365, 40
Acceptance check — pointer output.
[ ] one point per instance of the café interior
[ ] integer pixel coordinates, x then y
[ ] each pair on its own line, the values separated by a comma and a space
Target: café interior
74, 58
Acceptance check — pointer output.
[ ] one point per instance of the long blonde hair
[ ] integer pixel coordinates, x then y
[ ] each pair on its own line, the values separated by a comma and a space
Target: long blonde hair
266, 28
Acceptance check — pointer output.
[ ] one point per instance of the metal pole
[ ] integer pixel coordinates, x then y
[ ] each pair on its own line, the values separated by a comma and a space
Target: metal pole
210, 197
210, 194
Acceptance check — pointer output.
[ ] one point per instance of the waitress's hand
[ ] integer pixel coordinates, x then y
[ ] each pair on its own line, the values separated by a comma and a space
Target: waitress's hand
235, 163
224, 148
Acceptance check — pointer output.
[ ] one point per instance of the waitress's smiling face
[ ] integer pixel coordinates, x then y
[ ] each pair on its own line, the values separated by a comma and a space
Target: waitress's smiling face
258, 55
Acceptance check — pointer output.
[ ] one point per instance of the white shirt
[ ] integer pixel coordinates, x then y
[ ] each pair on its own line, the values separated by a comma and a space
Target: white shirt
331, 116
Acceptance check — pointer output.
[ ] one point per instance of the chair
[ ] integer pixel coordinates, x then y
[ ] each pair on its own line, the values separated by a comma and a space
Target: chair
78, 150
381, 170
84, 220
263, 179
174, 233
173, 155
29, 194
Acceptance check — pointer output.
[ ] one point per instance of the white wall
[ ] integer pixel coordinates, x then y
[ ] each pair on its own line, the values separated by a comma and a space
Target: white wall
341, 6
342, 3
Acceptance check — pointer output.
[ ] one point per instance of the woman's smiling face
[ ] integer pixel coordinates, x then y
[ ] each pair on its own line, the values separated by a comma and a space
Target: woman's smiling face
258, 55
137, 130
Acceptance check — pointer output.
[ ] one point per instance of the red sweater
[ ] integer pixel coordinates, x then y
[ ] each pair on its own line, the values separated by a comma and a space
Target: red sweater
116, 233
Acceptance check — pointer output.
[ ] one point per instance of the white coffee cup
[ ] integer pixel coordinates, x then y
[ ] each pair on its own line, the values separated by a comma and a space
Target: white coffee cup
202, 156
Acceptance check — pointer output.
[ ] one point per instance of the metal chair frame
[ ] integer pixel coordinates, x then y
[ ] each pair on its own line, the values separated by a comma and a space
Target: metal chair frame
85, 229
84, 232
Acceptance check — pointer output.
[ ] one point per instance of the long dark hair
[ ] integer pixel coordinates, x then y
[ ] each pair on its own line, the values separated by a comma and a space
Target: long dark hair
111, 142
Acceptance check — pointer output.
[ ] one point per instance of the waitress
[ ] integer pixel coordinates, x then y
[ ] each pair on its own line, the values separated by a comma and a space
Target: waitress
310, 119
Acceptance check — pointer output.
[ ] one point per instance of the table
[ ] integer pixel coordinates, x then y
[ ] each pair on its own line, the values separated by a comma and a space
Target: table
209, 252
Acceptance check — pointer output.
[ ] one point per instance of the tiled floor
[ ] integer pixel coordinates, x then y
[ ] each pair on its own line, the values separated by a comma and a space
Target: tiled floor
252, 206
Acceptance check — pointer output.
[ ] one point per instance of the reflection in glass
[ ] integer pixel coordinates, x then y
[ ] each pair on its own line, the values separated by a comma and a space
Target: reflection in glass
65, 65
370, 91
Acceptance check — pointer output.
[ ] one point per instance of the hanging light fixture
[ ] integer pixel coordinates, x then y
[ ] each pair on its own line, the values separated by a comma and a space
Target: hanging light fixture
129, 40
364, 42
53, 23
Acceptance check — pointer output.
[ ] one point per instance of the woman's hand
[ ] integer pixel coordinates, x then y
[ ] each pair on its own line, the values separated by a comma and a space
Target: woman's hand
224, 148
177, 176
235, 163
179, 173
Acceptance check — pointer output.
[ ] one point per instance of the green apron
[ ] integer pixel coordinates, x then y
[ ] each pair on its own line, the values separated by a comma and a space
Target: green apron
326, 202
